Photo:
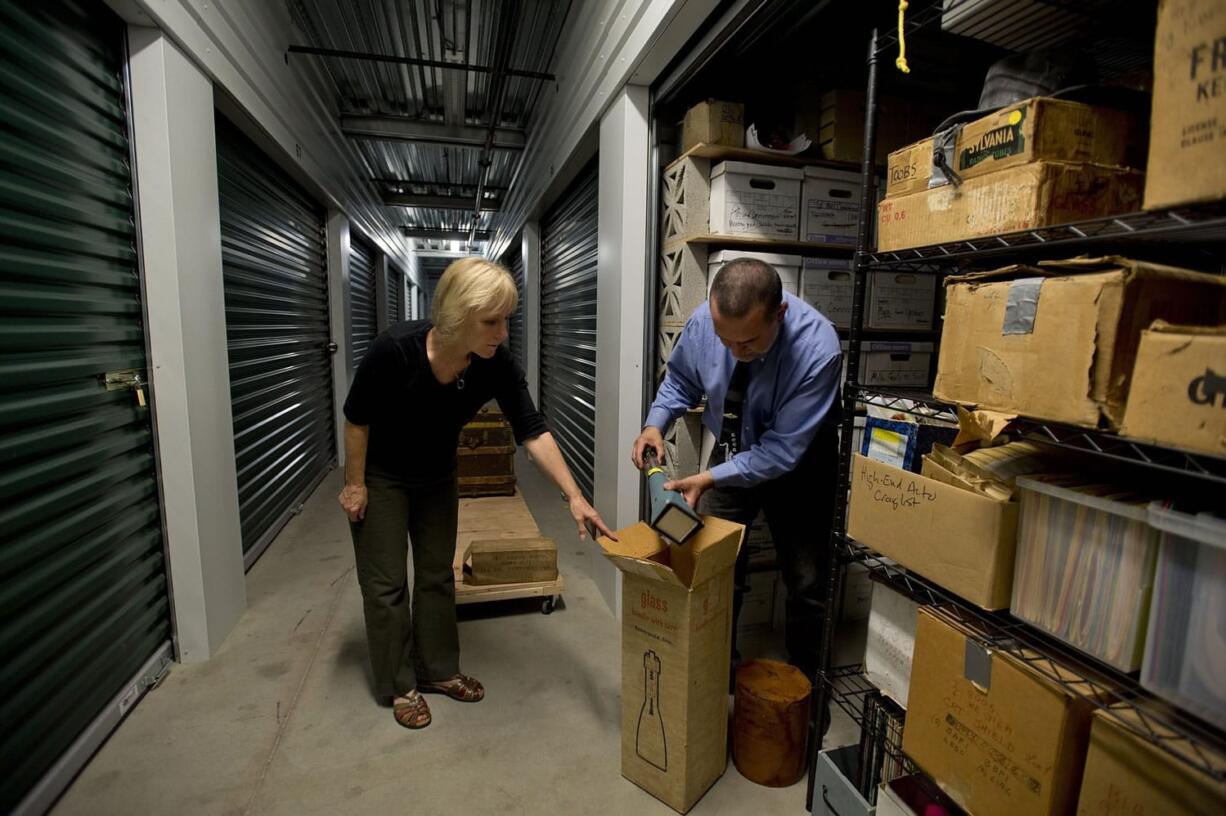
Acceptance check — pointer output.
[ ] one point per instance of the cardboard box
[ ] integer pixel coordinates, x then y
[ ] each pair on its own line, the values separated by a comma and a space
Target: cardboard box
826, 285
714, 122
788, 266
895, 363
996, 735
958, 539
891, 642
900, 300
1178, 391
831, 206
1128, 776
840, 124
1058, 341
1038, 194
1036, 129
676, 650
512, 561
1188, 133
756, 200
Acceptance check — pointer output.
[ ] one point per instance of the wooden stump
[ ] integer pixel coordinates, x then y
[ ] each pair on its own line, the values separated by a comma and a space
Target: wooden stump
770, 722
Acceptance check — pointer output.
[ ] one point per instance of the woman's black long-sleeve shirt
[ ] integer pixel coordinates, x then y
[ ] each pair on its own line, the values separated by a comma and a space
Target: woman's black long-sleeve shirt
414, 419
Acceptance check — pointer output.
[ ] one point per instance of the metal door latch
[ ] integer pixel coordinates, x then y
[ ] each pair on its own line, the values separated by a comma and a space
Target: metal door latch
130, 379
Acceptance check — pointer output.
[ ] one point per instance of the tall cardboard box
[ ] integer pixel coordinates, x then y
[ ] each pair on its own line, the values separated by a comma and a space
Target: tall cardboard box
1188, 133
953, 537
714, 122
1128, 776
1058, 341
1039, 194
995, 734
1178, 391
676, 648
1036, 129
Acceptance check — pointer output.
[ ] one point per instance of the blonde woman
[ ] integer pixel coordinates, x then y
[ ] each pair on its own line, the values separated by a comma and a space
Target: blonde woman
419, 384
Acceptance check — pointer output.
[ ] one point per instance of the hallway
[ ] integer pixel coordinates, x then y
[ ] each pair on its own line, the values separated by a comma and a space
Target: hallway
282, 720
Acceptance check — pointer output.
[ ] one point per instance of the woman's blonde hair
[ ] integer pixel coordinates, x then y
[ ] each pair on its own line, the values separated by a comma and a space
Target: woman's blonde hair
470, 285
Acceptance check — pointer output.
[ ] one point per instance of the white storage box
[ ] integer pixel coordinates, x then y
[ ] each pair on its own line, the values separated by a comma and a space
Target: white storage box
900, 300
1185, 652
834, 789
857, 593
1084, 568
756, 200
891, 642
895, 363
831, 209
826, 285
788, 266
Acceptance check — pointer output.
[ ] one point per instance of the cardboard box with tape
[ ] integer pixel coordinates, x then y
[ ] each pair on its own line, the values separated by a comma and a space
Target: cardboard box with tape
1188, 135
1058, 341
1038, 194
1036, 129
998, 736
676, 651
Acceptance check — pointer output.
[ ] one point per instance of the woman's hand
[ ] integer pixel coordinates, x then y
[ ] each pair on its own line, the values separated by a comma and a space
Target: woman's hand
353, 499
585, 515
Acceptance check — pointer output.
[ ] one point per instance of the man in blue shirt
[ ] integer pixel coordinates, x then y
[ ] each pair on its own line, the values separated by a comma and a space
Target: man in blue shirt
769, 366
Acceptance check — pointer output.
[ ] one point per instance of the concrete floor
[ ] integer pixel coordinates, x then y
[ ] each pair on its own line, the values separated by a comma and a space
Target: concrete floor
282, 720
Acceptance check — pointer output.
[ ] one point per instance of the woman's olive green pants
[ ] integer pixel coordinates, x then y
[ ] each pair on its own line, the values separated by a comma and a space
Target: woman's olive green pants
412, 635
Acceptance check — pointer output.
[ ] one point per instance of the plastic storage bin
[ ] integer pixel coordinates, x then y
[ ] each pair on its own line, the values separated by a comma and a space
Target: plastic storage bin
1185, 652
1084, 568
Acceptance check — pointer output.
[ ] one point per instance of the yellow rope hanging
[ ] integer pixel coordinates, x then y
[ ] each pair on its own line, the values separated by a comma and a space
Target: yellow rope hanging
901, 62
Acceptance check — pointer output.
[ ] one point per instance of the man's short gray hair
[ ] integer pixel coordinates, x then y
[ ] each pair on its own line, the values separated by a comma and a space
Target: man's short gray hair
744, 283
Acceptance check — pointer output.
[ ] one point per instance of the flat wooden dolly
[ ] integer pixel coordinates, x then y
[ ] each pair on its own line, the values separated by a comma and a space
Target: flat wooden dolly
499, 517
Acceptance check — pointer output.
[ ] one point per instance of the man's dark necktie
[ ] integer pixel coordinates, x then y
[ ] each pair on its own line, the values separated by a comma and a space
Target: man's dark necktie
734, 403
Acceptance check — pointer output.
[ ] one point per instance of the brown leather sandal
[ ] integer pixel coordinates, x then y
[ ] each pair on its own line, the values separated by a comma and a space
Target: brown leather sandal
414, 713
459, 687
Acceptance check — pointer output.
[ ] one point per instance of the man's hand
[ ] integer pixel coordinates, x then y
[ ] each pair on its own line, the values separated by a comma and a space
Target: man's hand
652, 437
692, 487
353, 499
585, 515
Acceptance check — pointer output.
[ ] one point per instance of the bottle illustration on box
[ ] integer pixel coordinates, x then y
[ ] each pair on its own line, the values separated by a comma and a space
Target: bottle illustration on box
649, 741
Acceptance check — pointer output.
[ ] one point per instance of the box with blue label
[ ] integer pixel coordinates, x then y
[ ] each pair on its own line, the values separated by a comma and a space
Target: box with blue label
902, 444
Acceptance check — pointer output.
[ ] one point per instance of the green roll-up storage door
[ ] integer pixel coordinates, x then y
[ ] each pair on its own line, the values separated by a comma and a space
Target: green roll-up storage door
273, 251
568, 325
83, 598
363, 317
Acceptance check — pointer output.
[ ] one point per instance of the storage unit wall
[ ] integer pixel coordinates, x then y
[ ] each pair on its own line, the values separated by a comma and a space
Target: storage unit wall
1189, 235
395, 294
277, 332
568, 325
85, 608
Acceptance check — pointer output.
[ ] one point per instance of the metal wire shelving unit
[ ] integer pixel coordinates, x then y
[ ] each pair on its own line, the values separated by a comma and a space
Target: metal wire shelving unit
1193, 235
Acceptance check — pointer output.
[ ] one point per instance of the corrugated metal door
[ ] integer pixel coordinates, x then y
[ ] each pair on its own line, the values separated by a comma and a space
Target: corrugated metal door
83, 598
395, 295
364, 315
568, 325
515, 263
273, 260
